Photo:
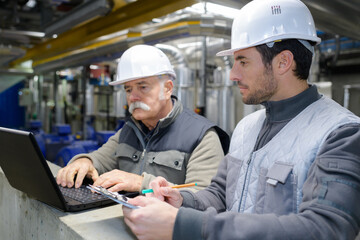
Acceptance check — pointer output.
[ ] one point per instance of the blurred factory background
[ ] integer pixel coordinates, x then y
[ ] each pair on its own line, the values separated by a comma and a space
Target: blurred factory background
58, 56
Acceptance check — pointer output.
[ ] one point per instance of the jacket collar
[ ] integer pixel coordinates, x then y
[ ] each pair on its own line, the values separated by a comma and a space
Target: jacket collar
284, 110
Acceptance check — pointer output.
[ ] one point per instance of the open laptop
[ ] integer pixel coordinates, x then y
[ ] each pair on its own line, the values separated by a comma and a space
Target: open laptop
27, 170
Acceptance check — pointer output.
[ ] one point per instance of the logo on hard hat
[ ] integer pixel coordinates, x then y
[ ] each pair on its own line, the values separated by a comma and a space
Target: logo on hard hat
275, 10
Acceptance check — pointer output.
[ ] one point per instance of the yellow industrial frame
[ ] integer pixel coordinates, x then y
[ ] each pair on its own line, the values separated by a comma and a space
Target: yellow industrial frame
122, 18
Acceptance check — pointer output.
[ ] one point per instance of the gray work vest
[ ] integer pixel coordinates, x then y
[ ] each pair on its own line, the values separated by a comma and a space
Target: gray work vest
169, 148
270, 180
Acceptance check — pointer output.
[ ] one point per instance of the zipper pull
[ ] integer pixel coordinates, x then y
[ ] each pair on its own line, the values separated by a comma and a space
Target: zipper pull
143, 154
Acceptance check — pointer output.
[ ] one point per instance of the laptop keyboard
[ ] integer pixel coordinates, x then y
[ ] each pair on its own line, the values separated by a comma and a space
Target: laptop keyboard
81, 194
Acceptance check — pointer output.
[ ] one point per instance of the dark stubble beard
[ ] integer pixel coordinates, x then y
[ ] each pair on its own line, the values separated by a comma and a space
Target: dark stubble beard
266, 88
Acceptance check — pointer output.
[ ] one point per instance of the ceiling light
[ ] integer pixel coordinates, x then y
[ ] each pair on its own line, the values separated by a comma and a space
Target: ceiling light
156, 20
20, 32
113, 35
31, 3
214, 9
94, 67
189, 44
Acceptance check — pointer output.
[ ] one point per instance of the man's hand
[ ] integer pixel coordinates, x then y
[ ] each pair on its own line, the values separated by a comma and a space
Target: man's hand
154, 220
117, 180
82, 167
164, 192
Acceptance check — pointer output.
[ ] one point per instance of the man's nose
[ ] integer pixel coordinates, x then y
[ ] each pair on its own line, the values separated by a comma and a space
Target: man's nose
134, 95
235, 74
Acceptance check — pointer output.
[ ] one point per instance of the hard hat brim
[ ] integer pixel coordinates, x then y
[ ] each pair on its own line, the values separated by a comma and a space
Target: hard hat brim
118, 82
226, 52
231, 51
122, 81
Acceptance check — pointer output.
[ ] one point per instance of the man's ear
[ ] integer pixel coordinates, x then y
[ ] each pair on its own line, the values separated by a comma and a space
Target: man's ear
284, 62
168, 88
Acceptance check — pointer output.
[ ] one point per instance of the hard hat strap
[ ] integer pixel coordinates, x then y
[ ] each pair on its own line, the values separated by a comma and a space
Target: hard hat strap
307, 45
303, 42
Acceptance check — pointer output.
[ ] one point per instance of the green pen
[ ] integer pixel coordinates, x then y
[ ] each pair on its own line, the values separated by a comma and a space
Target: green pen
174, 186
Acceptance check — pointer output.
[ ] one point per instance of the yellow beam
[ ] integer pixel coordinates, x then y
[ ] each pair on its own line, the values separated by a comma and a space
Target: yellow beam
125, 17
87, 48
112, 41
118, 4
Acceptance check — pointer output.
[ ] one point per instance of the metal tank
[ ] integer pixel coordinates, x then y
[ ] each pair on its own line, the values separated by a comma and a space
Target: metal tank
185, 78
119, 102
184, 86
220, 99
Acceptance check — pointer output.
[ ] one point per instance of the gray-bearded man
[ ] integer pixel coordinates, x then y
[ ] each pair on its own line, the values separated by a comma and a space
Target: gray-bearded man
160, 139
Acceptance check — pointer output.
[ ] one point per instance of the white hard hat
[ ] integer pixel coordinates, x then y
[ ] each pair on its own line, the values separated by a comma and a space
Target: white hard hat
142, 61
264, 21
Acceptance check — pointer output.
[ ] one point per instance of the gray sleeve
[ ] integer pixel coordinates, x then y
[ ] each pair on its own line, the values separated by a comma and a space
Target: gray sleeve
212, 196
103, 158
203, 162
329, 209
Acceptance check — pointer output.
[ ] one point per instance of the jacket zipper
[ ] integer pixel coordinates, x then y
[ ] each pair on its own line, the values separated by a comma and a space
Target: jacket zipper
245, 181
142, 156
245, 185
139, 136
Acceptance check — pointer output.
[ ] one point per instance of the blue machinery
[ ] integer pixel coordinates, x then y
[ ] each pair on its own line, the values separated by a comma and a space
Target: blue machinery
60, 146
66, 153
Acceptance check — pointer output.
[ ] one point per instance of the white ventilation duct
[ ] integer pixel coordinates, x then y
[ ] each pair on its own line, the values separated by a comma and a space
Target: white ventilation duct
9, 53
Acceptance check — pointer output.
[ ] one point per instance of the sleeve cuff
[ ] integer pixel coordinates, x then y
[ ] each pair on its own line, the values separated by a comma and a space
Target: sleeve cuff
188, 198
81, 155
147, 178
188, 224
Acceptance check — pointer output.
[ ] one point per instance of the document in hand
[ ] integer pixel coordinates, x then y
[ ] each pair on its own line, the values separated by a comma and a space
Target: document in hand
119, 198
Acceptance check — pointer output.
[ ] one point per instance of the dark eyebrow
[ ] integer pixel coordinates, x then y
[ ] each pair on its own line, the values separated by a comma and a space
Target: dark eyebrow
240, 57
140, 83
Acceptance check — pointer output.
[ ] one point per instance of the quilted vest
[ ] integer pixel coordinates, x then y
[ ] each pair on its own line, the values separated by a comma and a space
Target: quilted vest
270, 180
169, 148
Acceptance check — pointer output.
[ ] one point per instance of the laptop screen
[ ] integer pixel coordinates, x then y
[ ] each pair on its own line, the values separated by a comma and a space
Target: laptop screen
26, 168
